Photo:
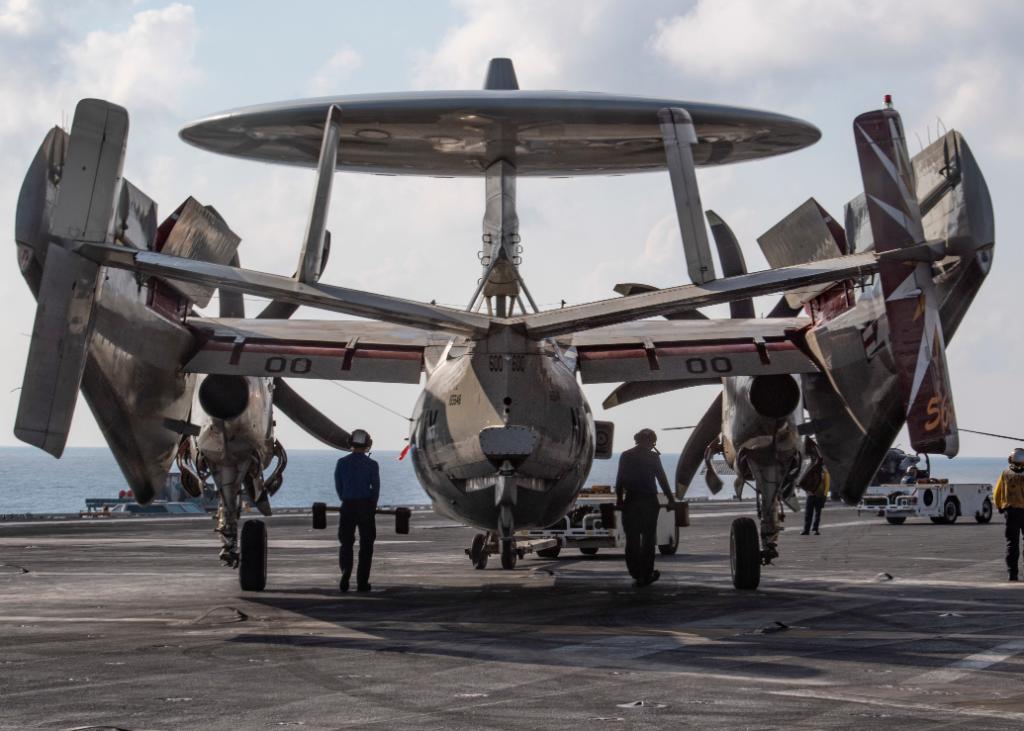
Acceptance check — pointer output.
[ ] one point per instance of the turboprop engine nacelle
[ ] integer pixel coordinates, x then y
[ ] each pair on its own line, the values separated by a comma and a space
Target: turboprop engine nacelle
235, 417
775, 396
757, 411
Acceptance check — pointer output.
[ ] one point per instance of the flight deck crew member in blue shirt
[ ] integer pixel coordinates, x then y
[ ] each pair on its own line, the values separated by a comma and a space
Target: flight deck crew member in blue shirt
357, 480
639, 477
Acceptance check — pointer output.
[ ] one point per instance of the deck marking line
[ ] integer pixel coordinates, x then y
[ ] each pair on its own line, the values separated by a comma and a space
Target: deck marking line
902, 704
977, 661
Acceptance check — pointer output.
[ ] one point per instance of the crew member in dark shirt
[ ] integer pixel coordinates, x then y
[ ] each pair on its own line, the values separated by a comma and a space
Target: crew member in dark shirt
357, 480
639, 477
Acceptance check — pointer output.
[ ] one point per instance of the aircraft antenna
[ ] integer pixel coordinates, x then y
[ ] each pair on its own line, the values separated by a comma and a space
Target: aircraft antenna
990, 434
375, 403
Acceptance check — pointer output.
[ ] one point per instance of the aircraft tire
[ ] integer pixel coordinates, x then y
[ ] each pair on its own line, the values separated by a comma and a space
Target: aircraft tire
896, 521
669, 549
478, 552
950, 511
745, 554
252, 567
985, 515
549, 552
508, 555
588, 551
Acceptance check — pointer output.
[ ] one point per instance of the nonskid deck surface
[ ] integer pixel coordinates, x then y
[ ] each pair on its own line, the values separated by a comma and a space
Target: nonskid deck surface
132, 624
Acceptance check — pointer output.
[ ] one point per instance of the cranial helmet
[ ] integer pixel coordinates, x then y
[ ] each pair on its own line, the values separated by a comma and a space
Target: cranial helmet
645, 434
1016, 459
361, 438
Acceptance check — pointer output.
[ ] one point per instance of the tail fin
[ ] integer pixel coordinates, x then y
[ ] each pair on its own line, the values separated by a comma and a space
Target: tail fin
911, 302
93, 330
67, 294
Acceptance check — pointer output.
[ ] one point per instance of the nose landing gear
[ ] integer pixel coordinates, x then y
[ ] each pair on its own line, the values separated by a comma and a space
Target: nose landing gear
485, 544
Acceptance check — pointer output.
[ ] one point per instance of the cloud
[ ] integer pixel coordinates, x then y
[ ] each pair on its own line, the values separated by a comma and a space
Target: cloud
149, 64
982, 92
338, 67
733, 38
533, 33
19, 17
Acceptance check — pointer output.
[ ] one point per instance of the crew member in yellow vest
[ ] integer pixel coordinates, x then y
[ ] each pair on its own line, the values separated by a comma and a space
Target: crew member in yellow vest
1009, 499
815, 502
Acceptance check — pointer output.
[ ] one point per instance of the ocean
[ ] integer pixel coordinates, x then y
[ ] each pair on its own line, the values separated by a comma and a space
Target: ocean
31, 481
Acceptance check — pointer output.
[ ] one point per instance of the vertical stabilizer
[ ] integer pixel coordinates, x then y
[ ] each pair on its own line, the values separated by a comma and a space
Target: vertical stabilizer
911, 301
65, 314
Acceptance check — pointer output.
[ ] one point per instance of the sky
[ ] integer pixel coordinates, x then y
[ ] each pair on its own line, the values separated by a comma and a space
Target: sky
948, 64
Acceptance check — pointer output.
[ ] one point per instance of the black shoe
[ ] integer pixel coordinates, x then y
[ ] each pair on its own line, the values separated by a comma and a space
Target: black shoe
343, 586
647, 580
817, 533
805, 533
363, 587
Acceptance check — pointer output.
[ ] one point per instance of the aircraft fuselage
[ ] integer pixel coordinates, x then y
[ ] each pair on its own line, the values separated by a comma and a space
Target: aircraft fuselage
502, 429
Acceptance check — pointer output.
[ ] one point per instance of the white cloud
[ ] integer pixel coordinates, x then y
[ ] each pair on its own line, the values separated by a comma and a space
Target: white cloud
149, 64
338, 67
534, 33
732, 38
984, 94
19, 17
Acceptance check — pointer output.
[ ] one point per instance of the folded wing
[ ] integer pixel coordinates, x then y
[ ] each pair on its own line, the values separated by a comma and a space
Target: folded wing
325, 349
691, 350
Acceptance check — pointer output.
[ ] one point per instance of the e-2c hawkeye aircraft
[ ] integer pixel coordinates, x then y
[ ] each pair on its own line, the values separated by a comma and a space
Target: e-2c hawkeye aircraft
502, 437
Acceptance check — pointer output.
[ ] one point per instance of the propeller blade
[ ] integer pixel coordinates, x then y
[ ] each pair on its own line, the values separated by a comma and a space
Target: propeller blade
278, 310
730, 256
305, 415
633, 390
232, 304
706, 431
630, 288
784, 309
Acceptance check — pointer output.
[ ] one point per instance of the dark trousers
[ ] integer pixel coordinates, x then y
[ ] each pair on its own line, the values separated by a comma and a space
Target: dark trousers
1014, 527
812, 512
640, 522
357, 514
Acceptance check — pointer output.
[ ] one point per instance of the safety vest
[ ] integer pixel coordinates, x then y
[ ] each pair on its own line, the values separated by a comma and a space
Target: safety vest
1009, 492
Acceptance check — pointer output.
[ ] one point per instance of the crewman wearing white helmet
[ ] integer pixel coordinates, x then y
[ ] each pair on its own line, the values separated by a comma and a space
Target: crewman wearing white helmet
357, 480
1009, 499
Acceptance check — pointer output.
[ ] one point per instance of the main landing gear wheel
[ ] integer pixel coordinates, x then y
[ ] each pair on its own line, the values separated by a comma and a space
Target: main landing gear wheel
252, 569
896, 520
985, 514
509, 555
588, 551
669, 549
478, 551
745, 554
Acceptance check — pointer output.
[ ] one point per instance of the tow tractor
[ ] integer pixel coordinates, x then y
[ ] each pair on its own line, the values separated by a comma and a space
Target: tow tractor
938, 500
591, 524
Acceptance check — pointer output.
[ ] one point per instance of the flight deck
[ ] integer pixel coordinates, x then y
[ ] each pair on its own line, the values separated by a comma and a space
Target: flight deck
131, 623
